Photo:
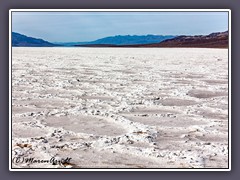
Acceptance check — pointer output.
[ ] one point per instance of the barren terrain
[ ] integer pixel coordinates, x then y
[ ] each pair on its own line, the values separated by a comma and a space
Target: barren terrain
120, 107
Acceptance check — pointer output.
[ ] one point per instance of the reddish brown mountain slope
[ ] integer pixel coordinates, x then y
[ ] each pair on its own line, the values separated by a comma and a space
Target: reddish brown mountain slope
214, 40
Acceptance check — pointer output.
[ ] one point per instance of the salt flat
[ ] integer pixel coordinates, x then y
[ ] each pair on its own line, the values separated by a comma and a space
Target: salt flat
120, 107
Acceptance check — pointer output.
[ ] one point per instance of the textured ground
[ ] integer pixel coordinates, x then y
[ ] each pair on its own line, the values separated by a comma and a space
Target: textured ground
120, 107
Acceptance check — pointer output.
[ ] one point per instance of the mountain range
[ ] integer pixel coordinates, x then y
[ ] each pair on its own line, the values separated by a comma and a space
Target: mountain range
123, 40
213, 40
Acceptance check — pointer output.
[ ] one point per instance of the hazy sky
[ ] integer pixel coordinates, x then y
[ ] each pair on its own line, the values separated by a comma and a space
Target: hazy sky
88, 26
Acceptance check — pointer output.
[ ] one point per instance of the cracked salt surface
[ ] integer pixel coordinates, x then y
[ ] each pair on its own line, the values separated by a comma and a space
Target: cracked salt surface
120, 107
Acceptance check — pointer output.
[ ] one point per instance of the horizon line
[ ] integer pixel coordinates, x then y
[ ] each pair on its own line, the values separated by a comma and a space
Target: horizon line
120, 35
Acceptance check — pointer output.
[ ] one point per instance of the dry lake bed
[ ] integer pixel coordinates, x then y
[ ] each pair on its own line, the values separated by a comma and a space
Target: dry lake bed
120, 107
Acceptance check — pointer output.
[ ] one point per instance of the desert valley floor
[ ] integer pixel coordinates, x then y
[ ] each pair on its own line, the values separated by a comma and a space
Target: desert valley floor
120, 107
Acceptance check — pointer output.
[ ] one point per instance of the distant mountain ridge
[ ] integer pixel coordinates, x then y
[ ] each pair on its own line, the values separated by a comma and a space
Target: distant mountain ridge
19, 40
131, 40
124, 40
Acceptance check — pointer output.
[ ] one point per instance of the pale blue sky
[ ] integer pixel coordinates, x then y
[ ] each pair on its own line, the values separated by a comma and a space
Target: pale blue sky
88, 26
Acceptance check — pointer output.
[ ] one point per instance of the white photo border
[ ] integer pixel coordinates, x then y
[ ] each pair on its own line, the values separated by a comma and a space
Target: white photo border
119, 10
